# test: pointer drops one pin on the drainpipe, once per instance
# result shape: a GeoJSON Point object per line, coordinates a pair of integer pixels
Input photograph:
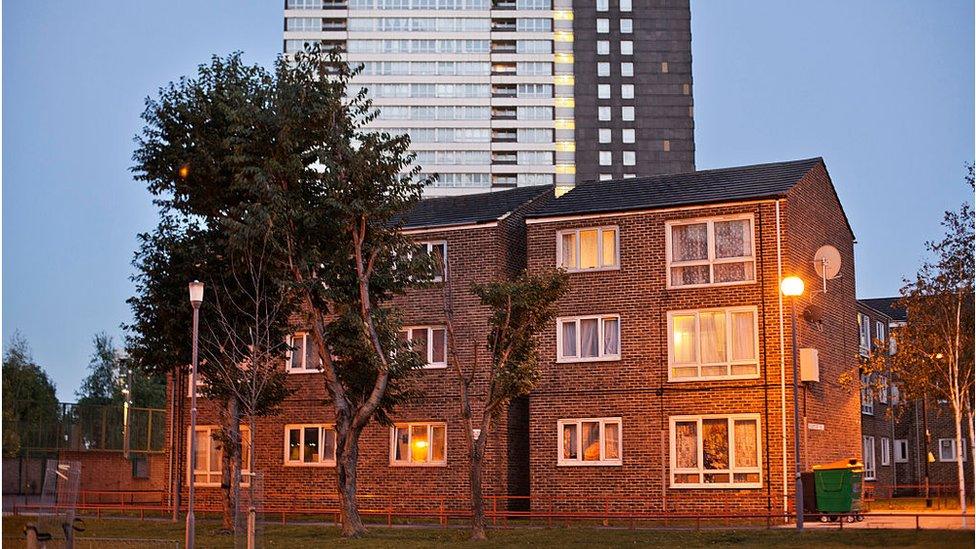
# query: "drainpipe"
{"type": "Point", "coordinates": [782, 358]}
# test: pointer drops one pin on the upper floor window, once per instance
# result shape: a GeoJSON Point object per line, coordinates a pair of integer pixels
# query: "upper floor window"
{"type": "Point", "coordinates": [713, 344]}
{"type": "Point", "coordinates": [437, 250]}
{"type": "Point", "coordinates": [588, 338]}
{"type": "Point", "coordinates": [588, 249]}
{"type": "Point", "coordinates": [879, 331]}
{"type": "Point", "coordinates": [864, 333]}
{"type": "Point", "coordinates": [430, 342]}
{"type": "Point", "coordinates": [310, 445]}
{"type": "Point", "coordinates": [715, 451]}
{"type": "Point", "coordinates": [710, 251]}
{"type": "Point", "coordinates": [867, 395]}
{"type": "Point", "coordinates": [302, 356]}
{"type": "Point", "coordinates": [207, 461]}
{"type": "Point", "coordinates": [418, 444]}
{"type": "Point", "coordinates": [589, 441]}
{"type": "Point", "coordinates": [947, 449]}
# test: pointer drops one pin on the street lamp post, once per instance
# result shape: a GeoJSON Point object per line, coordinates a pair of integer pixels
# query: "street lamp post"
{"type": "Point", "coordinates": [792, 287]}
{"type": "Point", "coordinates": [196, 299]}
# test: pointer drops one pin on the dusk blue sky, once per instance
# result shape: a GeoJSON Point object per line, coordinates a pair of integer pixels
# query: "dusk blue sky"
{"type": "Point", "coordinates": [883, 90]}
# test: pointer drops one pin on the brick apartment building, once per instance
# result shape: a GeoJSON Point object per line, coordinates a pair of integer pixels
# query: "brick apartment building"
{"type": "Point", "coordinates": [896, 447]}
{"type": "Point", "coordinates": [666, 379]}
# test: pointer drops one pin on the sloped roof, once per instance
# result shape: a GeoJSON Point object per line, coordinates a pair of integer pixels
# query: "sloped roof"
{"type": "Point", "coordinates": [446, 211]}
{"type": "Point", "coordinates": [886, 305]}
{"type": "Point", "coordinates": [661, 191]}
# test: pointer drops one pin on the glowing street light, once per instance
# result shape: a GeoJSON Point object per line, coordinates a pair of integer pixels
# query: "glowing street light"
{"type": "Point", "coordinates": [792, 287]}
{"type": "Point", "coordinates": [196, 299]}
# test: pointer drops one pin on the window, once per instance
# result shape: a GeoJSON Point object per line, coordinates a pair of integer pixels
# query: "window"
{"type": "Point", "coordinates": [947, 449]}
{"type": "Point", "coordinates": [626, 69]}
{"type": "Point", "coordinates": [606, 158]}
{"type": "Point", "coordinates": [602, 26]}
{"type": "Point", "coordinates": [209, 452]}
{"type": "Point", "coordinates": [879, 331]}
{"type": "Point", "coordinates": [868, 449]}
{"type": "Point", "coordinates": [140, 467]}
{"type": "Point", "coordinates": [713, 344]}
{"type": "Point", "coordinates": [883, 390]}
{"type": "Point", "coordinates": [603, 69]}
{"type": "Point", "coordinates": [864, 324]}
{"type": "Point", "coordinates": [603, 47]}
{"type": "Point", "coordinates": [626, 47]}
{"type": "Point", "coordinates": [605, 177]}
{"type": "Point", "coordinates": [602, 5]}
{"type": "Point", "coordinates": [625, 5]}
{"type": "Point", "coordinates": [710, 251]}
{"type": "Point", "coordinates": [589, 441]}
{"type": "Point", "coordinates": [867, 395]}
{"type": "Point", "coordinates": [588, 338]}
{"type": "Point", "coordinates": [630, 158]}
{"type": "Point", "coordinates": [901, 450]}
{"type": "Point", "coordinates": [603, 91]}
{"type": "Point", "coordinates": [603, 113]}
{"type": "Point", "coordinates": [605, 136]}
{"type": "Point", "coordinates": [437, 251]}
{"type": "Point", "coordinates": [418, 444]}
{"type": "Point", "coordinates": [310, 445]}
{"type": "Point", "coordinates": [627, 114]}
{"type": "Point", "coordinates": [626, 26]}
{"type": "Point", "coordinates": [885, 451]}
{"type": "Point", "coordinates": [586, 249]}
{"type": "Point", "coordinates": [430, 342]}
{"type": "Point", "coordinates": [627, 91]}
{"type": "Point", "coordinates": [715, 451]}
{"type": "Point", "coordinates": [628, 135]}
{"type": "Point", "coordinates": [302, 356]}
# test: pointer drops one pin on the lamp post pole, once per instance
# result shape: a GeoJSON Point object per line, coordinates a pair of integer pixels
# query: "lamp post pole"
{"type": "Point", "coordinates": [196, 299]}
{"type": "Point", "coordinates": [796, 419]}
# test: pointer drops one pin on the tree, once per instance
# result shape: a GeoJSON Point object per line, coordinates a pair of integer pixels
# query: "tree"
{"type": "Point", "coordinates": [30, 403]}
{"type": "Point", "coordinates": [520, 309]}
{"type": "Point", "coordinates": [111, 372]}
{"type": "Point", "coordinates": [287, 154]}
{"type": "Point", "coordinates": [935, 348]}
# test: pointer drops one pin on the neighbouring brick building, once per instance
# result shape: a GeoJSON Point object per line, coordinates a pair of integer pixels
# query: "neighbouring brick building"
{"type": "Point", "coordinates": [669, 367]}
{"type": "Point", "coordinates": [900, 435]}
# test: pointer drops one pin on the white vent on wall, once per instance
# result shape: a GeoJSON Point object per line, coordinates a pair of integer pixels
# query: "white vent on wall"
{"type": "Point", "coordinates": [810, 365]}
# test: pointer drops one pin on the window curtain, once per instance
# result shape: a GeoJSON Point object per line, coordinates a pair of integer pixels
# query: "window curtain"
{"type": "Point", "coordinates": [683, 334]}
{"type": "Point", "coordinates": [743, 336]}
{"type": "Point", "coordinates": [569, 251]}
{"type": "Point", "coordinates": [589, 338]}
{"type": "Point", "coordinates": [689, 242]}
{"type": "Point", "coordinates": [569, 442]}
{"type": "Point", "coordinates": [609, 247]}
{"type": "Point", "coordinates": [591, 441]}
{"type": "Point", "coordinates": [733, 239]}
{"type": "Point", "coordinates": [712, 336]}
{"type": "Point", "coordinates": [715, 443]}
{"type": "Point", "coordinates": [611, 336]}
{"type": "Point", "coordinates": [686, 445]}
{"type": "Point", "coordinates": [439, 345]}
{"type": "Point", "coordinates": [611, 437]}
{"type": "Point", "coordinates": [569, 338]}
{"type": "Point", "coordinates": [746, 439]}
{"type": "Point", "coordinates": [588, 249]}
{"type": "Point", "coordinates": [437, 442]}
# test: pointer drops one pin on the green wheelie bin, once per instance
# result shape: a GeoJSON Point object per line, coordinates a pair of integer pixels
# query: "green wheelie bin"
{"type": "Point", "coordinates": [838, 487]}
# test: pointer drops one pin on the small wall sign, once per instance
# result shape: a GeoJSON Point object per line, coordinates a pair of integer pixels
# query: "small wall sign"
{"type": "Point", "coordinates": [815, 426]}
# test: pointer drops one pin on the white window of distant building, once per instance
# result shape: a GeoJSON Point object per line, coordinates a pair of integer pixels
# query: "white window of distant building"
{"type": "Point", "coordinates": [603, 47]}
{"type": "Point", "coordinates": [625, 5]}
{"type": "Point", "coordinates": [868, 452]}
{"type": "Point", "coordinates": [626, 26]}
{"type": "Point", "coordinates": [883, 390]}
{"type": "Point", "coordinates": [879, 331]}
{"type": "Point", "coordinates": [626, 47]}
{"type": "Point", "coordinates": [901, 450]}
{"type": "Point", "coordinates": [864, 327]}
{"type": "Point", "coordinates": [602, 5]}
{"type": "Point", "coordinates": [207, 462]}
{"type": "Point", "coordinates": [602, 26]}
{"type": "Point", "coordinates": [310, 445]}
{"type": "Point", "coordinates": [603, 91]}
{"type": "Point", "coordinates": [418, 444]}
{"type": "Point", "coordinates": [867, 395]}
{"type": "Point", "coordinates": [885, 451]}
{"type": "Point", "coordinates": [629, 158]}
{"type": "Point", "coordinates": [604, 114]}
{"type": "Point", "coordinates": [603, 69]}
{"type": "Point", "coordinates": [628, 135]}
{"type": "Point", "coordinates": [437, 250]}
{"type": "Point", "coordinates": [588, 338]}
{"type": "Point", "coordinates": [605, 135]}
{"type": "Point", "coordinates": [947, 449]}
{"type": "Point", "coordinates": [627, 69]}
{"type": "Point", "coordinates": [715, 451]}
{"type": "Point", "coordinates": [713, 344]}
{"type": "Point", "coordinates": [594, 441]}
{"type": "Point", "coordinates": [713, 251]}
{"type": "Point", "coordinates": [605, 177]}
{"type": "Point", "coordinates": [629, 175]}
{"type": "Point", "coordinates": [588, 249]}
{"type": "Point", "coordinates": [627, 114]}
{"type": "Point", "coordinates": [302, 356]}
{"type": "Point", "coordinates": [430, 342]}
{"type": "Point", "coordinates": [606, 158]}
{"type": "Point", "coordinates": [627, 91]}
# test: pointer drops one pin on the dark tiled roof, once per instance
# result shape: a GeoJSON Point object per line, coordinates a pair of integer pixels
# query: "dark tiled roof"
{"type": "Point", "coordinates": [444, 211]}
{"type": "Point", "coordinates": [701, 187]}
{"type": "Point", "coordinates": [886, 305]}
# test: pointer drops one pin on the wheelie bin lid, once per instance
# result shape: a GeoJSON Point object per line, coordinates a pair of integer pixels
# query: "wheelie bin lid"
{"type": "Point", "coordinates": [852, 464]}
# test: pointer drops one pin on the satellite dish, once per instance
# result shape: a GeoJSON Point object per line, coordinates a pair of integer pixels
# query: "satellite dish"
{"type": "Point", "coordinates": [827, 262]}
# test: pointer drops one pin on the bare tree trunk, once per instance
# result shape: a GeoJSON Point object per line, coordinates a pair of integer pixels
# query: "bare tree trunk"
{"type": "Point", "coordinates": [960, 468]}
{"type": "Point", "coordinates": [347, 458]}
{"type": "Point", "coordinates": [229, 470]}
{"type": "Point", "coordinates": [477, 497]}
{"type": "Point", "coordinates": [972, 434]}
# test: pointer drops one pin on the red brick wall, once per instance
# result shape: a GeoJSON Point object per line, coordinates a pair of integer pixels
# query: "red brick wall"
{"type": "Point", "coordinates": [111, 471]}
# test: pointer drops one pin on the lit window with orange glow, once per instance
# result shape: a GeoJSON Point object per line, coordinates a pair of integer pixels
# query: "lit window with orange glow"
{"type": "Point", "coordinates": [419, 444]}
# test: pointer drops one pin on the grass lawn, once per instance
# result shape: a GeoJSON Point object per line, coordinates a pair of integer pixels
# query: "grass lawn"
{"type": "Point", "coordinates": [327, 536]}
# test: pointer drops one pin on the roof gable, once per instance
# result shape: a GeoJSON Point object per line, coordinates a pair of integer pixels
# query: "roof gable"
{"type": "Point", "coordinates": [448, 211]}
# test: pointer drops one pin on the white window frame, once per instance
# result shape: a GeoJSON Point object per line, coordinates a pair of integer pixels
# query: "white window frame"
{"type": "Point", "coordinates": [599, 249]}
{"type": "Point", "coordinates": [901, 450]}
{"type": "Point", "coordinates": [201, 383]}
{"type": "Point", "coordinates": [885, 451]}
{"type": "Point", "coordinates": [864, 333]}
{"type": "Point", "coordinates": [711, 260]}
{"type": "Point", "coordinates": [192, 471]}
{"type": "Point", "coordinates": [602, 356]}
{"type": "Point", "coordinates": [879, 330]}
{"type": "Point", "coordinates": [728, 344]}
{"type": "Point", "coordinates": [867, 395]}
{"type": "Point", "coordinates": [883, 391]}
{"type": "Point", "coordinates": [673, 420]}
{"type": "Point", "coordinates": [952, 448]}
{"type": "Point", "coordinates": [870, 465]}
{"type": "Point", "coordinates": [289, 341]}
{"type": "Point", "coordinates": [429, 364]}
{"type": "Point", "coordinates": [430, 451]}
{"type": "Point", "coordinates": [428, 245]}
{"type": "Point", "coordinates": [628, 135]}
{"type": "Point", "coordinates": [323, 462]}
{"type": "Point", "coordinates": [579, 461]}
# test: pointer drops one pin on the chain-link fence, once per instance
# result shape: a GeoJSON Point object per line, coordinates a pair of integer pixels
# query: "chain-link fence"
{"type": "Point", "coordinates": [95, 427]}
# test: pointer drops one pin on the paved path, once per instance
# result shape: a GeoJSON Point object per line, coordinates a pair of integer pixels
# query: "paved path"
{"type": "Point", "coordinates": [904, 520]}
